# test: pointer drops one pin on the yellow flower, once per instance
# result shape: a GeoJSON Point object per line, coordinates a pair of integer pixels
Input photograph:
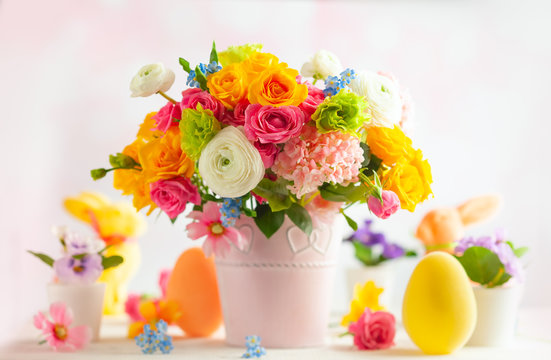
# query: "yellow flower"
{"type": "Point", "coordinates": [410, 180]}
{"type": "Point", "coordinates": [388, 144]}
{"type": "Point", "coordinates": [258, 62]}
{"type": "Point", "coordinates": [364, 297]}
{"type": "Point", "coordinates": [277, 86]}
{"type": "Point", "coordinates": [147, 130]}
{"type": "Point", "coordinates": [163, 158]}
{"type": "Point", "coordinates": [235, 54]}
{"type": "Point", "coordinates": [229, 85]}
{"type": "Point", "coordinates": [152, 312]}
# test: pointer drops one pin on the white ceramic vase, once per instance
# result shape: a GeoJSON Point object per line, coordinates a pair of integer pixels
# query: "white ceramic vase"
{"type": "Point", "coordinates": [497, 310]}
{"type": "Point", "coordinates": [85, 301]}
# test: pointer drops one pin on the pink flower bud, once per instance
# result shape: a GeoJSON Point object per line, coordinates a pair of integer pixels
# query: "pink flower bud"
{"type": "Point", "coordinates": [390, 205]}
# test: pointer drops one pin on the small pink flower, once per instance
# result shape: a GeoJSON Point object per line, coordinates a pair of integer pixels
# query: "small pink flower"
{"type": "Point", "coordinates": [374, 330]}
{"type": "Point", "coordinates": [314, 98]}
{"type": "Point", "coordinates": [163, 281]}
{"type": "Point", "coordinates": [193, 96]}
{"type": "Point", "coordinates": [275, 125]}
{"type": "Point", "coordinates": [58, 333]}
{"type": "Point", "coordinates": [132, 307]}
{"type": "Point", "coordinates": [218, 237]}
{"type": "Point", "coordinates": [391, 204]}
{"type": "Point", "coordinates": [237, 116]}
{"type": "Point", "coordinates": [167, 116]}
{"type": "Point", "coordinates": [322, 211]}
{"type": "Point", "coordinates": [268, 153]}
{"type": "Point", "coordinates": [172, 195]}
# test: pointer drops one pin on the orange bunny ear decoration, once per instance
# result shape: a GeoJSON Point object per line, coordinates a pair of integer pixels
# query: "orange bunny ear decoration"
{"type": "Point", "coordinates": [479, 209]}
{"type": "Point", "coordinates": [440, 228]}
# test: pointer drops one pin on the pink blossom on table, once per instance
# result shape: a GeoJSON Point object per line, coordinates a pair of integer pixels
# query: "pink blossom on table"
{"type": "Point", "coordinates": [322, 211]}
{"type": "Point", "coordinates": [85, 270]}
{"type": "Point", "coordinates": [193, 96]}
{"type": "Point", "coordinates": [163, 281]}
{"type": "Point", "coordinates": [268, 153]}
{"type": "Point", "coordinates": [172, 195]}
{"type": "Point", "coordinates": [237, 116]}
{"type": "Point", "coordinates": [132, 307]}
{"type": "Point", "coordinates": [407, 103]}
{"type": "Point", "coordinates": [275, 125]}
{"type": "Point", "coordinates": [391, 204]}
{"type": "Point", "coordinates": [314, 98]}
{"type": "Point", "coordinates": [218, 238]}
{"type": "Point", "coordinates": [374, 330]}
{"type": "Point", "coordinates": [167, 116]}
{"type": "Point", "coordinates": [313, 159]}
{"type": "Point", "coordinates": [59, 335]}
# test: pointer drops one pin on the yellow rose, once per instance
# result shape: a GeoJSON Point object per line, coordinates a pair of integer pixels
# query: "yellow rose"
{"type": "Point", "coordinates": [258, 62]}
{"type": "Point", "coordinates": [229, 85]}
{"type": "Point", "coordinates": [277, 86]}
{"type": "Point", "coordinates": [163, 158]}
{"type": "Point", "coordinates": [147, 131]}
{"type": "Point", "coordinates": [389, 144]}
{"type": "Point", "coordinates": [410, 180]}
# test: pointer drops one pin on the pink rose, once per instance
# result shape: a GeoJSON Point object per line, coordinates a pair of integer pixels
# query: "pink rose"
{"type": "Point", "coordinates": [374, 330]}
{"type": "Point", "coordinates": [163, 281]}
{"type": "Point", "coordinates": [391, 204]}
{"type": "Point", "coordinates": [314, 98]}
{"type": "Point", "coordinates": [237, 116]}
{"type": "Point", "coordinates": [132, 307]}
{"type": "Point", "coordinates": [275, 125]}
{"type": "Point", "coordinates": [166, 117]}
{"type": "Point", "coordinates": [193, 96]}
{"type": "Point", "coordinates": [268, 153]}
{"type": "Point", "coordinates": [172, 195]}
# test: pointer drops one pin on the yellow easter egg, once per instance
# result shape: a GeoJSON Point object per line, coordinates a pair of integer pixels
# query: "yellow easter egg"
{"type": "Point", "coordinates": [439, 309]}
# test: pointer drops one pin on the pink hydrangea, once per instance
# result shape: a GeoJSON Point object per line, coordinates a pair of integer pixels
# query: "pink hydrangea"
{"type": "Point", "coordinates": [314, 98]}
{"type": "Point", "coordinates": [237, 116]}
{"type": "Point", "coordinates": [313, 159]}
{"type": "Point", "coordinates": [172, 195]}
{"type": "Point", "coordinates": [268, 153]}
{"type": "Point", "coordinates": [193, 96]}
{"type": "Point", "coordinates": [166, 117]}
{"type": "Point", "coordinates": [275, 125]}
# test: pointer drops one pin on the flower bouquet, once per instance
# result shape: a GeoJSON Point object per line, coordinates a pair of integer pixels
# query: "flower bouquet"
{"type": "Point", "coordinates": [261, 152]}
{"type": "Point", "coordinates": [494, 265]}
{"type": "Point", "coordinates": [82, 263]}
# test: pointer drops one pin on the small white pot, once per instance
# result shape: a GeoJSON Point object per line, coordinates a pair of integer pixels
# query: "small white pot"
{"type": "Point", "coordinates": [497, 310]}
{"type": "Point", "coordinates": [85, 301]}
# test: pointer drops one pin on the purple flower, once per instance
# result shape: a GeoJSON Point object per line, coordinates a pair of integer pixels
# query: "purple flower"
{"type": "Point", "coordinates": [78, 271]}
{"type": "Point", "coordinates": [366, 236]}
{"type": "Point", "coordinates": [392, 251]}
{"type": "Point", "coordinates": [498, 246]}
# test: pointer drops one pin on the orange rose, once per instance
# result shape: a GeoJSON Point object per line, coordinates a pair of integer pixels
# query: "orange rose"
{"type": "Point", "coordinates": [229, 85]}
{"type": "Point", "coordinates": [277, 86]}
{"type": "Point", "coordinates": [163, 158]}
{"type": "Point", "coordinates": [147, 127]}
{"type": "Point", "coordinates": [258, 62]}
{"type": "Point", "coordinates": [388, 144]}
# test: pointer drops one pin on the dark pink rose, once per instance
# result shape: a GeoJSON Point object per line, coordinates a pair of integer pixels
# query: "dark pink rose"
{"type": "Point", "coordinates": [237, 116]}
{"type": "Point", "coordinates": [268, 153]}
{"type": "Point", "coordinates": [172, 195]}
{"type": "Point", "coordinates": [168, 116]}
{"type": "Point", "coordinates": [314, 98]}
{"type": "Point", "coordinates": [275, 125]}
{"type": "Point", "coordinates": [374, 330]}
{"type": "Point", "coordinates": [193, 96]}
{"type": "Point", "coordinates": [391, 204]}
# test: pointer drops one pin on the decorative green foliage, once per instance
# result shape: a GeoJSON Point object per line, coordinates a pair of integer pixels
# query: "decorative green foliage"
{"type": "Point", "coordinates": [213, 53]}
{"type": "Point", "coordinates": [276, 192]}
{"type": "Point", "coordinates": [122, 161]}
{"type": "Point", "coordinates": [185, 65]}
{"type": "Point", "coordinates": [339, 193]}
{"type": "Point", "coordinates": [300, 217]}
{"type": "Point", "coordinates": [267, 221]}
{"type": "Point", "coordinates": [350, 221]}
{"type": "Point", "coordinates": [483, 266]}
{"type": "Point", "coordinates": [201, 78]}
{"type": "Point", "coordinates": [111, 261]}
{"type": "Point", "coordinates": [45, 258]}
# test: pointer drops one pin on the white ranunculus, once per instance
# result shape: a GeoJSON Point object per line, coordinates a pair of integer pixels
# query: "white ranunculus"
{"type": "Point", "coordinates": [383, 96]}
{"type": "Point", "coordinates": [151, 79]}
{"type": "Point", "coordinates": [229, 165]}
{"type": "Point", "coordinates": [322, 65]}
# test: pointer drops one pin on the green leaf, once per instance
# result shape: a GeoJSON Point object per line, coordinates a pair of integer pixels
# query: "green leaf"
{"type": "Point", "coordinates": [201, 78]}
{"type": "Point", "coordinates": [374, 163]}
{"type": "Point", "coordinates": [267, 221]}
{"type": "Point", "coordinates": [111, 261]}
{"type": "Point", "coordinates": [173, 220]}
{"type": "Point", "coordinates": [275, 192]}
{"type": "Point", "coordinates": [104, 249]}
{"type": "Point", "coordinates": [410, 253]}
{"type": "Point", "coordinates": [48, 260]}
{"type": "Point", "coordinates": [339, 193]}
{"type": "Point", "coordinates": [300, 217]}
{"type": "Point", "coordinates": [483, 266]}
{"type": "Point", "coordinates": [213, 53]}
{"type": "Point", "coordinates": [249, 212]}
{"type": "Point", "coordinates": [79, 256]}
{"type": "Point", "coordinates": [367, 154]}
{"type": "Point", "coordinates": [365, 254]}
{"type": "Point", "coordinates": [350, 221]}
{"type": "Point", "coordinates": [519, 252]}
{"type": "Point", "coordinates": [185, 65]}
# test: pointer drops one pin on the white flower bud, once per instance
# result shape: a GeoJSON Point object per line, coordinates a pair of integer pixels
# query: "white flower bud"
{"type": "Point", "coordinates": [151, 79]}
{"type": "Point", "coordinates": [322, 65]}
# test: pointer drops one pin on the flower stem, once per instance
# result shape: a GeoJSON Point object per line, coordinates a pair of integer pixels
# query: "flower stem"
{"type": "Point", "coordinates": [167, 97]}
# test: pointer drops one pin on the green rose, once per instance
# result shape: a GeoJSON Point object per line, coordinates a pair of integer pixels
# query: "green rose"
{"type": "Point", "coordinates": [197, 127]}
{"type": "Point", "coordinates": [342, 112]}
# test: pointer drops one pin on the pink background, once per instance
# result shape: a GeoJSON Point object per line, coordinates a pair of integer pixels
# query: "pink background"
{"type": "Point", "coordinates": [477, 70]}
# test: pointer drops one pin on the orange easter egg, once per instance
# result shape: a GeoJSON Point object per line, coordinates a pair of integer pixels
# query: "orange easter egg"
{"type": "Point", "coordinates": [193, 286]}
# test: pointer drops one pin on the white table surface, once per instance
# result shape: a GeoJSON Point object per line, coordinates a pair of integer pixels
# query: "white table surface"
{"type": "Point", "coordinates": [533, 341]}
